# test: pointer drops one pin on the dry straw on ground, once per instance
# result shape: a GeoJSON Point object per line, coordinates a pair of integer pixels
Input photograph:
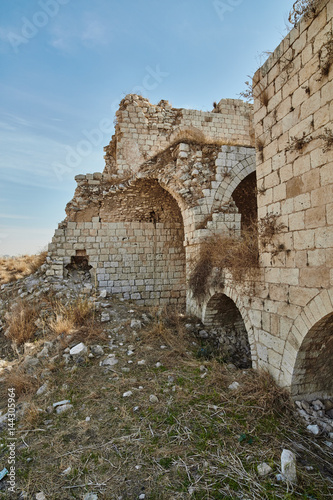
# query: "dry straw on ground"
{"type": "Point", "coordinates": [13, 268]}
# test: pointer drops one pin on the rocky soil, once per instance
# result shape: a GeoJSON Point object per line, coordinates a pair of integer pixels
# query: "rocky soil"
{"type": "Point", "coordinates": [138, 403]}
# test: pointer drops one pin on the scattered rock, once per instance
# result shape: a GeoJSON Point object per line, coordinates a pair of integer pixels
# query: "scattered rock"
{"type": "Point", "coordinates": [136, 324]}
{"type": "Point", "coordinates": [90, 496]}
{"type": "Point", "coordinates": [142, 362]}
{"type": "Point", "coordinates": [97, 350]}
{"type": "Point", "coordinates": [153, 398]}
{"type": "Point", "coordinates": [78, 350]}
{"type": "Point", "coordinates": [105, 317]}
{"type": "Point", "coordinates": [109, 361]}
{"type": "Point", "coordinates": [60, 403]}
{"type": "Point", "coordinates": [158, 365]}
{"type": "Point", "coordinates": [66, 471]}
{"type": "Point", "coordinates": [264, 469]}
{"type": "Point", "coordinates": [127, 394]}
{"type": "Point", "coordinates": [288, 466]}
{"type": "Point", "coordinates": [233, 386]}
{"type": "Point", "coordinates": [103, 294]}
{"type": "Point", "coordinates": [203, 334]}
{"type": "Point", "coordinates": [43, 388]}
{"type": "Point", "coordinates": [63, 408]}
{"type": "Point", "coordinates": [40, 496]}
{"type": "Point", "coordinates": [314, 429]}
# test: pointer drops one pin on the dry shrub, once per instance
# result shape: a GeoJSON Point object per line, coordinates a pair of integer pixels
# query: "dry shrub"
{"type": "Point", "coordinates": [21, 322]}
{"type": "Point", "coordinates": [167, 327]}
{"type": "Point", "coordinates": [326, 55]}
{"type": "Point", "coordinates": [298, 143]}
{"type": "Point", "coordinates": [31, 417]}
{"type": "Point", "coordinates": [262, 389]}
{"type": "Point", "coordinates": [306, 8]}
{"type": "Point", "coordinates": [70, 317]}
{"type": "Point", "coordinates": [260, 148]}
{"type": "Point", "coordinates": [78, 320]}
{"type": "Point", "coordinates": [237, 254]}
{"type": "Point", "coordinates": [15, 268]}
{"type": "Point", "coordinates": [268, 227]}
{"type": "Point", "coordinates": [23, 383]}
{"type": "Point", "coordinates": [327, 137]}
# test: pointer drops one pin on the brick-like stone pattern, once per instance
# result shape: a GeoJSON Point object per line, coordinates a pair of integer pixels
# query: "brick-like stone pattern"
{"type": "Point", "coordinates": [144, 130]}
{"type": "Point", "coordinates": [295, 178]}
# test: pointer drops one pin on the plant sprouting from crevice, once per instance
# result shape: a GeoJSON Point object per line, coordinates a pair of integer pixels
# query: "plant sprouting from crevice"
{"type": "Point", "coordinates": [306, 8]}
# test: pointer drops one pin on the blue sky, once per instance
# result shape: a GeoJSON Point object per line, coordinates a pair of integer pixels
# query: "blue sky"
{"type": "Point", "coordinates": [65, 66]}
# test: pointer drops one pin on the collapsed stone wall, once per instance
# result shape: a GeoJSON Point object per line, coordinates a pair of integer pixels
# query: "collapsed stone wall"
{"type": "Point", "coordinates": [144, 130]}
{"type": "Point", "coordinates": [139, 228]}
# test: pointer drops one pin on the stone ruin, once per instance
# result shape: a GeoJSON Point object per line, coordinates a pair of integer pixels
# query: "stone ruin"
{"type": "Point", "coordinates": [173, 177]}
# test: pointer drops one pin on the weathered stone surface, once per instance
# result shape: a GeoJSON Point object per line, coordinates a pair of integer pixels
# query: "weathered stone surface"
{"type": "Point", "coordinates": [288, 466]}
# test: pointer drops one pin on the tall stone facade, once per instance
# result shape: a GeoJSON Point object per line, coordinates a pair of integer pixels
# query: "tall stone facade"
{"type": "Point", "coordinates": [174, 177]}
{"type": "Point", "coordinates": [293, 113]}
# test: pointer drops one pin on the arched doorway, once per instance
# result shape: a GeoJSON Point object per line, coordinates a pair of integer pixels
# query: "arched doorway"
{"type": "Point", "coordinates": [245, 199]}
{"type": "Point", "coordinates": [313, 370]}
{"type": "Point", "coordinates": [143, 255]}
{"type": "Point", "coordinates": [224, 317]}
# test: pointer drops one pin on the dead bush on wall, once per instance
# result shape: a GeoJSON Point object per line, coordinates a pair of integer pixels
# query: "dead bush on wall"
{"type": "Point", "coordinates": [306, 8]}
{"type": "Point", "coordinates": [326, 55]}
{"type": "Point", "coordinates": [327, 137]}
{"type": "Point", "coordinates": [237, 254]}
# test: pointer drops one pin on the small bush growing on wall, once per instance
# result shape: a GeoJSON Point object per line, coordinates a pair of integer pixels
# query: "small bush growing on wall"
{"type": "Point", "coordinates": [238, 254]}
{"type": "Point", "coordinates": [306, 8]}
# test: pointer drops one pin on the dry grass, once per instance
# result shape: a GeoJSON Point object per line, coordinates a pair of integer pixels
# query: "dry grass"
{"type": "Point", "coordinates": [238, 254]}
{"type": "Point", "coordinates": [15, 268]}
{"type": "Point", "coordinates": [23, 383]}
{"type": "Point", "coordinates": [76, 320]}
{"type": "Point", "coordinates": [21, 322]}
{"type": "Point", "coordinates": [200, 440]}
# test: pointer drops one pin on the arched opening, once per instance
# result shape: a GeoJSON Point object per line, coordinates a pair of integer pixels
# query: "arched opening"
{"type": "Point", "coordinates": [245, 199]}
{"type": "Point", "coordinates": [143, 256]}
{"type": "Point", "coordinates": [223, 316]}
{"type": "Point", "coordinates": [313, 371]}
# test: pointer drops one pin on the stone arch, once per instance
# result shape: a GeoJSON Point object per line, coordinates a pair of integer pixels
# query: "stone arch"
{"type": "Point", "coordinates": [306, 364]}
{"type": "Point", "coordinates": [226, 306]}
{"type": "Point", "coordinates": [238, 173]}
{"type": "Point", "coordinates": [188, 133]}
{"type": "Point", "coordinates": [245, 199]}
{"type": "Point", "coordinates": [142, 244]}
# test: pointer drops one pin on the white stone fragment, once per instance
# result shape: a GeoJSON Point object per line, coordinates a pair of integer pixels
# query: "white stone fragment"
{"type": "Point", "coordinates": [63, 408]}
{"type": "Point", "coordinates": [43, 388]}
{"type": "Point", "coordinates": [233, 386]}
{"type": "Point", "coordinates": [78, 350]}
{"type": "Point", "coordinates": [288, 466]}
{"type": "Point", "coordinates": [40, 496]}
{"type": "Point", "coordinates": [127, 394]}
{"type": "Point", "coordinates": [314, 429]}
{"type": "Point", "coordinates": [153, 398]}
{"type": "Point", "coordinates": [264, 469]}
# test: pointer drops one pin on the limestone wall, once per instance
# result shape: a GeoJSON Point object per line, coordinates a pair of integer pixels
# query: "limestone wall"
{"type": "Point", "coordinates": [293, 113]}
{"type": "Point", "coordinates": [144, 130]}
